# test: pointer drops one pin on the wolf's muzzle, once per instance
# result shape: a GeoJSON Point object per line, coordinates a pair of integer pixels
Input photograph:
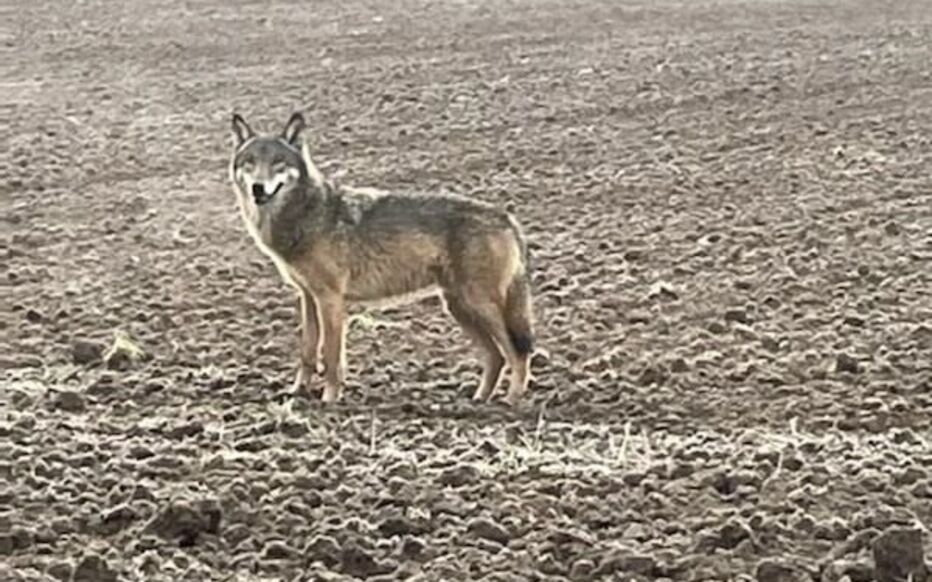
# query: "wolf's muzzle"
{"type": "Point", "coordinates": [260, 195]}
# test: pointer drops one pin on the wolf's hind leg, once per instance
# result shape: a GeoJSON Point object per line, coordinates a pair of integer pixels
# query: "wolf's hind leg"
{"type": "Point", "coordinates": [494, 361]}
{"type": "Point", "coordinates": [489, 317]}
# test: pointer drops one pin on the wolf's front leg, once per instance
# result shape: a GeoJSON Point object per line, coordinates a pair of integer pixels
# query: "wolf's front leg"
{"type": "Point", "coordinates": [333, 324]}
{"type": "Point", "coordinates": [309, 348]}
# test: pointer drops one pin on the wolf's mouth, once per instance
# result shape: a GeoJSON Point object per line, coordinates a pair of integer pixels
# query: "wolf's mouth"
{"type": "Point", "coordinates": [261, 196]}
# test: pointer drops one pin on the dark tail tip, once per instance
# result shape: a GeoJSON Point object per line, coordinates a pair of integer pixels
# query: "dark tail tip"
{"type": "Point", "coordinates": [523, 343]}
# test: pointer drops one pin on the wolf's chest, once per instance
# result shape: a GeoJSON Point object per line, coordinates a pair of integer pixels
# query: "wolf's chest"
{"type": "Point", "coordinates": [261, 234]}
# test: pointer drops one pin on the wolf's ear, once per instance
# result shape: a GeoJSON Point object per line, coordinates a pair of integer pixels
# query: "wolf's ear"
{"type": "Point", "coordinates": [241, 129]}
{"type": "Point", "coordinates": [312, 172]}
{"type": "Point", "coordinates": [293, 129]}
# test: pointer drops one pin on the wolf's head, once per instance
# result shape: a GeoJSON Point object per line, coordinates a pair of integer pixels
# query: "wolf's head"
{"type": "Point", "coordinates": [266, 168]}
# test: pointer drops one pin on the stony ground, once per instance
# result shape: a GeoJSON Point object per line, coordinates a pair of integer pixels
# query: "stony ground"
{"type": "Point", "coordinates": [730, 213]}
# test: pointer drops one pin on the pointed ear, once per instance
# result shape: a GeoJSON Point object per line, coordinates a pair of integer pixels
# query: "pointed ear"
{"type": "Point", "coordinates": [293, 129]}
{"type": "Point", "coordinates": [312, 172]}
{"type": "Point", "coordinates": [241, 129]}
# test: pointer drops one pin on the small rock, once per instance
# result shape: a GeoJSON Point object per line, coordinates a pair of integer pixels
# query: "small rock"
{"type": "Point", "coordinates": [123, 353]}
{"type": "Point", "coordinates": [278, 550]}
{"type": "Point", "coordinates": [661, 290]}
{"type": "Point", "coordinates": [636, 531]}
{"type": "Point", "coordinates": [737, 315]}
{"type": "Point", "coordinates": [93, 568]}
{"type": "Point", "coordinates": [679, 366]}
{"type": "Point", "coordinates": [850, 569]}
{"type": "Point", "coordinates": [549, 565]}
{"type": "Point", "coordinates": [293, 429]}
{"type": "Point", "coordinates": [633, 478]}
{"type": "Point", "coordinates": [6, 544]}
{"type": "Point", "coordinates": [488, 546]}
{"type": "Point", "coordinates": [637, 316]}
{"type": "Point", "coordinates": [186, 429]}
{"type": "Point", "coordinates": [854, 321]}
{"type": "Point", "coordinates": [898, 555]}
{"type": "Point", "coordinates": [745, 332]}
{"type": "Point", "coordinates": [140, 452]}
{"type": "Point", "coordinates": [117, 519]}
{"type": "Point", "coordinates": [357, 562]}
{"type": "Point", "coordinates": [489, 530]}
{"type": "Point", "coordinates": [771, 344]}
{"type": "Point", "coordinates": [730, 535]}
{"type": "Point", "coordinates": [777, 571]}
{"type": "Point", "coordinates": [627, 564]}
{"type": "Point", "coordinates": [489, 448]}
{"type": "Point", "coordinates": [60, 570]}
{"type": "Point", "coordinates": [717, 328]}
{"type": "Point", "coordinates": [413, 548]}
{"type": "Point", "coordinates": [86, 352]}
{"type": "Point", "coordinates": [847, 364]}
{"type": "Point", "coordinates": [23, 537]}
{"type": "Point", "coordinates": [400, 526]}
{"type": "Point", "coordinates": [582, 569]}
{"type": "Point", "coordinates": [832, 529]}
{"type": "Point", "coordinates": [459, 476]}
{"type": "Point", "coordinates": [906, 437]}
{"type": "Point", "coordinates": [33, 316]}
{"type": "Point", "coordinates": [652, 375]}
{"type": "Point", "coordinates": [922, 490]}
{"type": "Point", "coordinates": [70, 401]}
{"type": "Point", "coordinates": [184, 521]}
{"type": "Point", "coordinates": [324, 549]}
{"type": "Point", "coordinates": [567, 536]}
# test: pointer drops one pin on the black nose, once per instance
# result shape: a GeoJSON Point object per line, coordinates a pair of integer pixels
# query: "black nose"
{"type": "Point", "coordinates": [258, 191]}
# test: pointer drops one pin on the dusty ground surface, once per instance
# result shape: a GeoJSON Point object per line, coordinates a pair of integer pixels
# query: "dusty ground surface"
{"type": "Point", "coordinates": [730, 212]}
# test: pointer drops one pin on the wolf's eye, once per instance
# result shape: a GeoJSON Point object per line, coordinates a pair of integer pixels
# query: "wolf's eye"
{"type": "Point", "coordinates": [279, 167]}
{"type": "Point", "coordinates": [248, 165]}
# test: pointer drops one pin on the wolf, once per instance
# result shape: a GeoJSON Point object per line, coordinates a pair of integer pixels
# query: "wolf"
{"type": "Point", "coordinates": [339, 245]}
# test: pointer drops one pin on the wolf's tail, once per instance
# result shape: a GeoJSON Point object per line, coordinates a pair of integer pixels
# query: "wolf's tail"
{"type": "Point", "coordinates": [518, 308]}
{"type": "Point", "coordinates": [518, 314]}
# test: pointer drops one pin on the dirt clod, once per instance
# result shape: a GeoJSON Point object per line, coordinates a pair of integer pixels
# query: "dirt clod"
{"type": "Point", "coordinates": [487, 529]}
{"type": "Point", "coordinates": [738, 315]}
{"type": "Point", "coordinates": [779, 571]}
{"type": "Point", "coordinates": [626, 563]}
{"type": "Point", "coordinates": [6, 544]}
{"type": "Point", "coordinates": [184, 521]}
{"type": "Point", "coordinates": [400, 526]}
{"type": "Point", "coordinates": [898, 555]}
{"type": "Point", "coordinates": [459, 476]}
{"type": "Point", "coordinates": [93, 568]}
{"type": "Point", "coordinates": [325, 549]}
{"type": "Point", "coordinates": [358, 562]}
{"type": "Point", "coordinates": [117, 519]}
{"type": "Point", "coordinates": [278, 550]}
{"type": "Point", "coordinates": [60, 570]}
{"type": "Point", "coordinates": [413, 548]}
{"type": "Point", "coordinates": [70, 401]}
{"type": "Point", "coordinates": [86, 352]}
{"type": "Point", "coordinates": [846, 363]}
{"type": "Point", "coordinates": [853, 570]}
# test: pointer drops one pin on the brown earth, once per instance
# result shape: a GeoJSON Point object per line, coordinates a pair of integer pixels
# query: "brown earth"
{"type": "Point", "coordinates": [730, 213]}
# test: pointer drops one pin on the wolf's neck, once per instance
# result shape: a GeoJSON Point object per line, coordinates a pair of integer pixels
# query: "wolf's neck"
{"type": "Point", "coordinates": [291, 225]}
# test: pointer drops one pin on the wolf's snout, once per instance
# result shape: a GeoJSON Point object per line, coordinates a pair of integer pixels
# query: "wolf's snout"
{"type": "Point", "coordinates": [258, 191]}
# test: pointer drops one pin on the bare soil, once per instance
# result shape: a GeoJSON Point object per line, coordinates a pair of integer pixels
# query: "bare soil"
{"type": "Point", "coordinates": [729, 206]}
